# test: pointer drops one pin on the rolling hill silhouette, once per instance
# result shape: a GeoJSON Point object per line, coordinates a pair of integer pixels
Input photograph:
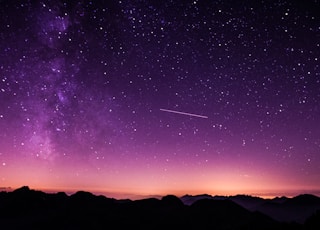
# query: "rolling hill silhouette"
{"type": "Point", "coordinates": [283, 209]}
{"type": "Point", "coordinates": [25, 208]}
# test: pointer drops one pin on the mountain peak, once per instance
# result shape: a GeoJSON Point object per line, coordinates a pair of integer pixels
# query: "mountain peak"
{"type": "Point", "coordinates": [22, 189]}
{"type": "Point", "coordinates": [305, 199]}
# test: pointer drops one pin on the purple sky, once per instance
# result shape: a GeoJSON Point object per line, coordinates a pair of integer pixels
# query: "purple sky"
{"type": "Point", "coordinates": [89, 95]}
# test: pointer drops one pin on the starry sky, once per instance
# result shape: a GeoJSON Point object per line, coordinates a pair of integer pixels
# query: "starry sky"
{"type": "Point", "coordinates": [136, 97]}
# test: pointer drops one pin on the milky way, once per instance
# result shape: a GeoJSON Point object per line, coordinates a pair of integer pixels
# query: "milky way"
{"type": "Point", "coordinates": [83, 84]}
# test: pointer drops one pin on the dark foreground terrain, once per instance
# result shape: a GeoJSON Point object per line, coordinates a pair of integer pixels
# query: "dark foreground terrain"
{"type": "Point", "coordinates": [29, 209]}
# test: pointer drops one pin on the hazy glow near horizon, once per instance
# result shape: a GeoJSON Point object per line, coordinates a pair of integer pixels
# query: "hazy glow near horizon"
{"type": "Point", "coordinates": [107, 97]}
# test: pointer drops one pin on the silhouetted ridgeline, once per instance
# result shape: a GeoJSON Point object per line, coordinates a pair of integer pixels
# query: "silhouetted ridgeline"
{"type": "Point", "coordinates": [283, 209]}
{"type": "Point", "coordinates": [29, 209]}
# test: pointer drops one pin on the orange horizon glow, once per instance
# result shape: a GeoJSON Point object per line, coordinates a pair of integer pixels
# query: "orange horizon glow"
{"type": "Point", "coordinates": [132, 195]}
{"type": "Point", "coordinates": [137, 182]}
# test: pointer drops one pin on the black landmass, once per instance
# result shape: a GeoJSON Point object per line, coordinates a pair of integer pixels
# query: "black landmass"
{"type": "Point", "coordinates": [25, 208]}
{"type": "Point", "coordinates": [297, 209]}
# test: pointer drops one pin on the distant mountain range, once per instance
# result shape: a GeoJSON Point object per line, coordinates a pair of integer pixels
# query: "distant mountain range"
{"type": "Point", "coordinates": [296, 209]}
{"type": "Point", "coordinates": [25, 208]}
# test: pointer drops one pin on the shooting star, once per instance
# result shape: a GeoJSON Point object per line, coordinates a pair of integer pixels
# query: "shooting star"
{"type": "Point", "coordinates": [183, 113]}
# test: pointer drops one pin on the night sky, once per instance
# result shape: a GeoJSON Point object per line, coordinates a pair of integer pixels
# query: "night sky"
{"type": "Point", "coordinates": [138, 97]}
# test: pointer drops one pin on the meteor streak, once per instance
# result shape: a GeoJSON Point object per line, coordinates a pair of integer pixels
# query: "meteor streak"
{"type": "Point", "coordinates": [183, 113]}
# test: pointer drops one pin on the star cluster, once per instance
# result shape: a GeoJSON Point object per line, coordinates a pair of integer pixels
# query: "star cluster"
{"type": "Point", "coordinates": [83, 85]}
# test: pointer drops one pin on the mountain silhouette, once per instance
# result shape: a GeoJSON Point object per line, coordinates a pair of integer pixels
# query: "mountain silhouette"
{"type": "Point", "coordinates": [283, 209]}
{"type": "Point", "coordinates": [25, 208]}
{"type": "Point", "coordinates": [296, 209]}
{"type": "Point", "coordinates": [189, 199]}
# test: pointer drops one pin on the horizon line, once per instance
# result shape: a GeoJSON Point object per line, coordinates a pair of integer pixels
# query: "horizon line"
{"type": "Point", "coordinates": [136, 196]}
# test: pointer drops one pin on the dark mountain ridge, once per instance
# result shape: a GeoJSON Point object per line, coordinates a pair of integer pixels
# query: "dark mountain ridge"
{"type": "Point", "coordinates": [283, 209]}
{"type": "Point", "coordinates": [25, 208]}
